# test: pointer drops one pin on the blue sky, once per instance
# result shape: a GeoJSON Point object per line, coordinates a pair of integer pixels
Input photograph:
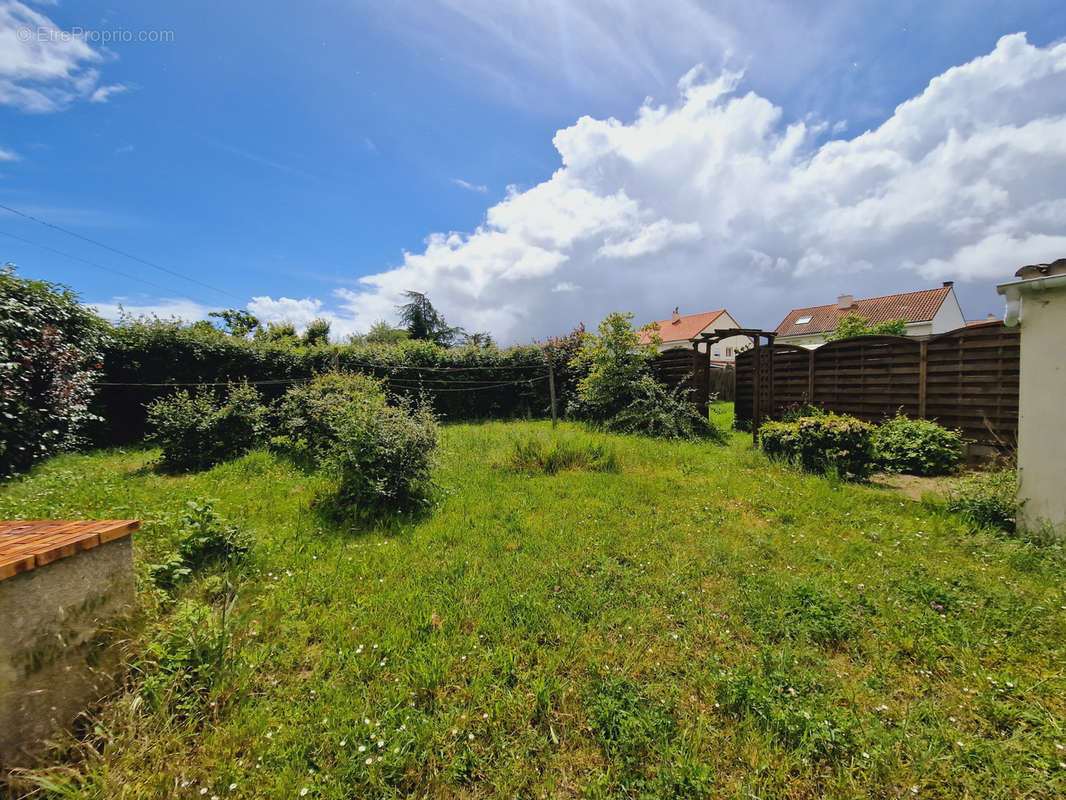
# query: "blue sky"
{"type": "Point", "coordinates": [288, 155]}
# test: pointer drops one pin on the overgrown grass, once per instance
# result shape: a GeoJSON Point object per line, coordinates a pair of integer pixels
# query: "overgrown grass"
{"type": "Point", "coordinates": [702, 623]}
{"type": "Point", "coordinates": [550, 454]}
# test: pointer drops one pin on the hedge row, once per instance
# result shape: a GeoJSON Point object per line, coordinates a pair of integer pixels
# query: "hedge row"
{"type": "Point", "coordinates": [462, 384]}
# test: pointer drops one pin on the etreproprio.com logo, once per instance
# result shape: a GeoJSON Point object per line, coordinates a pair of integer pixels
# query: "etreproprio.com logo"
{"type": "Point", "coordinates": [46, 34]}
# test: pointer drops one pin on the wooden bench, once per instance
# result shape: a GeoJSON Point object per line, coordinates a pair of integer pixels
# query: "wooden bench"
{"type": "Point", "coordinates": [26, 545]}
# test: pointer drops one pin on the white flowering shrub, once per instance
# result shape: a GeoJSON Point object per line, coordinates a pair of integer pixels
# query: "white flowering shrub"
{"type": "Point", "coordinates": [50, 352]}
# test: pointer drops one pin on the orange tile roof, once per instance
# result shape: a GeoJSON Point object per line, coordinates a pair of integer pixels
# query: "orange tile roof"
{"type": "Point", "coordinates": [684, 329]}
{"type": "Point", "coordinates": [911, 306]}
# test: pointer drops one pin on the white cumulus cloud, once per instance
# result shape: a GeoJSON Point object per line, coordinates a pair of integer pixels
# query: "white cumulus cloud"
{"type": "Point", "coordinates": [42, 67]}
{"type": "Point", "coordinates": [714, 200]}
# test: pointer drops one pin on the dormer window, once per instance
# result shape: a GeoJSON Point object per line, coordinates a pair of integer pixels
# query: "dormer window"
{"type": "Point", "coordinates": [803, 320]}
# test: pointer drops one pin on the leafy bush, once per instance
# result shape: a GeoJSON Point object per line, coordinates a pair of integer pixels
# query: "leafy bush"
{"type": "Point", "coordinates": [917, 446]}
{"type": "Point", "coordinates": [309, 413]}
{"type": "Point", "coordinates": [197, 431]}
{"type": "Point", "coordinates": [988, 500]}
{"type": "Point", "coordinates": [204, 539]}
{"type": "Point", "coordinates": [541, 454]}
{"type": "Point", "coordinates": [852, 325]}
{"type": "Point", "coordinates": [614, 361]}
{"type": "Point", "coordinates": [50, 352]}
{"type": "Point", "coordinates": [619, 392]}
{"type": "Point", "coordinates": [821, 444]}
{"type": "Point", "coordinates": [156, 351]}
{"type": "Point", "coordinates": [380, 454]}
{"type": "Point", "coordinates": [657, 411]}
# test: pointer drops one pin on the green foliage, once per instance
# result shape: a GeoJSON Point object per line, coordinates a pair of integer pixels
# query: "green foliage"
{"type": "Point", "coordinates": [614, 361]}
{"type": "Point", "coordinates": [561, 452]}
{"type": "Point", "coordinates": [198, 430]}
{"type": "Point", "coordinates": [237, 321]}
{"type": "Point", "coordinates": [917, 446]}
{"type": "Point", "coordinates": [380, 332]}
{"type": "Point", "coordinates": [618, 391]}
{"type": "Point", "coordinates": [796, 411]}
{"type": "Point", "coordinates": [184, 659]}
{"type": "Point", "coordinates": [204, 539]}
{"type": "Point", "coordinates": [165, 351]}
{"type": "Point", "coordinates": [50, 354]}
{"type": "Point", "coordinates": [988, 500]}
{"type": "Point", "coordinates": [853, 325]}
{"type": "Point", "coordinates": [316, 334]}
{"type": "Point", "coordinates": [790, 705]}
{"type": "Point", "coordinates": [379, 454]}
{"type": "Point", "coordinates": [827, 443]}
{"type": "Point", "coordinates": [657, 411]}
{"type": "Point", "coordinates": [424, 322]}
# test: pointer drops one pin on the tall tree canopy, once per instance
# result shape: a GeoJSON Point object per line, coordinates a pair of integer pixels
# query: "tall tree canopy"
{"type": "Point", "coordinates": [423, 321]}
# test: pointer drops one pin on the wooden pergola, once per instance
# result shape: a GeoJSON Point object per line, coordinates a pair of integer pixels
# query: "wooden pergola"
{"type": "Point", "coordinates": [763, 363]}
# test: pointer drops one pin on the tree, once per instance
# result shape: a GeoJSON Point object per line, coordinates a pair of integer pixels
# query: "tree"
{"type": "Point", "coordinates": [615, 360]}
{"type": "Point", "coordinates": [278, 333]}
{"type": "Point", "coordinates": [424, 322]}
{"type": "Point", "coordinates": [51, 348]}
{"type": "Point", "coordinates": [853, 325]}
{"type": "Point", "coordinates": [480, 339]}
{"type": "Point", "coordinates": [316, 333]}
{"type": "Point", "coordinates": [237, 322]}
{"type": "Point", "coordinates": [382, 332]}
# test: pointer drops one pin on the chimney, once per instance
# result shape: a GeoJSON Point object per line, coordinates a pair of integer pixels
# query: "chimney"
{"type": "Point", "coordinates": [676, 317]}
{"type": "Point", "coordinates": [948, 284]}
{"type": "Point", "coordinates": [992, 318]}
{"type": "Point", "coordinates": [845, 301]}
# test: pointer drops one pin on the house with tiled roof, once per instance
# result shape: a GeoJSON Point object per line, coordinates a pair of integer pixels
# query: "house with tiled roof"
{"type": "Point", "coordinates": [926, 312]}
{"type": "Point", "coordinates": [682, 330]}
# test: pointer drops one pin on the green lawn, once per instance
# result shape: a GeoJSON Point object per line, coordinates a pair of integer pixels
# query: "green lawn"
{"type": "Point", "coordinates": [701, 623]}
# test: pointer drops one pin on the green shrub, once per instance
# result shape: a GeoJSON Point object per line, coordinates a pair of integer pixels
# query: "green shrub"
{"type": "Point", "coordinates": [204, 539]}
{"type": "Point", "coordinates": [917, 446]}
{"type": "Point", "coordinates": [826, 443]}
{"type": "Point", "coordinates": [987, 500]}
{"type": "Point", "coordinates": [656, 411]}
{"type": "Point", "coordinates": [309, 413]}
{"type": "Point", "coordinates": [550, 455]}
{"type": "Point", "coordinates": [50, 353]}
{"type": "Point", "coordinates": [198, 430]}
{"type": "Point", "coordinates": [379, 454]}
{"type": "Point", "coordinates": [153, 351]}
{"type": "Point", "coordinates": [614, 362]}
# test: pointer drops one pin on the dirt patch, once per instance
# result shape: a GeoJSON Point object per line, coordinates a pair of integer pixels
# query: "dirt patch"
{"type": "Point", "coordinates": [913, 486]}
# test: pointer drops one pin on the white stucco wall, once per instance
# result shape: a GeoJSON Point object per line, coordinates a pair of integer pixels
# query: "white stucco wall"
{"type": "Point", "coordinates": [1042, 390]}
{"type": "Point", "coordinates": [949, 317]}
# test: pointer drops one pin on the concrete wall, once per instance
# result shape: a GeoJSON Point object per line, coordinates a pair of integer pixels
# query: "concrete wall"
{"type": "Point", "coordinates": [1041, 402]}
{"type": "Point", "coordinates": [948, 317]}
{"type": "Point", "coordinates": [52, 663]}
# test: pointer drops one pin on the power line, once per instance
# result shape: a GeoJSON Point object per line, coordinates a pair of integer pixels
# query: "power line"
{"type": "Point", "coordinates": [123, 253]}
{"type": "Point", "coordinates": [90, 263]}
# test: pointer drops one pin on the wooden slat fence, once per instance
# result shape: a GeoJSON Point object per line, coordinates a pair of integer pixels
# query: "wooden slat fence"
{"type": "Point", "coordinates": [965, 379]}
{"type": "Point", "coordinates": [681, 365]}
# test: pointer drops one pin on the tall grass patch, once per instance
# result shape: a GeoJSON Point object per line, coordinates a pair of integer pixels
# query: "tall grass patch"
{"type": "Point", "coordinates": [552, 454]}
